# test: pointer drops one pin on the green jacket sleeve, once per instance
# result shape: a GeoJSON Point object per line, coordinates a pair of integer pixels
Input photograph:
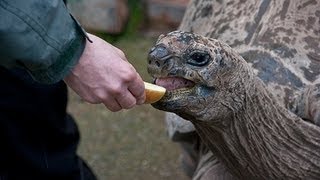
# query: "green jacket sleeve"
{"type": "Point", "coordinates": [41, 37]}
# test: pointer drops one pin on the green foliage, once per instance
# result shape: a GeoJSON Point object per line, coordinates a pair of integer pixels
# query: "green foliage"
{"type": "Point", "coordinates": [135, 18]}
{"type": "Point", "coordinates": [111, 38]}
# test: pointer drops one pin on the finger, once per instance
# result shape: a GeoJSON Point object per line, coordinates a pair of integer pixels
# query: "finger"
{"type": "Point", "coordinates": [127, 100]}
{"type": "Point", "coordinates": [112, 105]}
{"type": "Point", "coordinates": [137, 89]}
{"type": "Point", "coordinates": [91, 100]}
{"type": "Point", "coordinates": [86, 96]}
{"type": "Point", "coordinates": [141, 99]}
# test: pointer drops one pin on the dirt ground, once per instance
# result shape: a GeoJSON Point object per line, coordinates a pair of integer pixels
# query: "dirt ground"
{"type": "Point", "coordinates": [131, 144]}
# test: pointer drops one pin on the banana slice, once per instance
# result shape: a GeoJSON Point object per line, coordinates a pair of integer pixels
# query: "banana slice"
{"type": "Point", "coordinates": [153, 92]}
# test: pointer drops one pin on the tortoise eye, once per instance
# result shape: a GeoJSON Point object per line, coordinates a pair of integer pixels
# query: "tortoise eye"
{"type": "Point", "coordinates": [199, 58]}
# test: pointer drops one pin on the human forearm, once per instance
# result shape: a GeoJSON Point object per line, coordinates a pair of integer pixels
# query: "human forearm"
{"type": "Point", "coordinates": [40, 36]}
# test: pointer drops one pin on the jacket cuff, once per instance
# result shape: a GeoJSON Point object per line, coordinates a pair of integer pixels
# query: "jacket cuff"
{"type": "Point", "coordinates": [66, 61]}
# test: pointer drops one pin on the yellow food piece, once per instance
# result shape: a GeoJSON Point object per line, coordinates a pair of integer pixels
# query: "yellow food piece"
{"type": "Point", "coordinates": [153, 92]}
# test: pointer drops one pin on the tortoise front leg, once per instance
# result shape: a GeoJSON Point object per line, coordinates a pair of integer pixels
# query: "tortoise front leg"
{"type": "Point", "coordinates": [308, 105]}
{"type": "Point", "coordinates": [210, 167]}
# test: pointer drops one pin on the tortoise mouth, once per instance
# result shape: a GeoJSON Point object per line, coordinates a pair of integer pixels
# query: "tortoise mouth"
{"type": "Point", "coordinates": [178, 91]}
{"type": "Point", "coordinates": [174, 83]}
{"type": "Point", "coordinates": [177, 88]}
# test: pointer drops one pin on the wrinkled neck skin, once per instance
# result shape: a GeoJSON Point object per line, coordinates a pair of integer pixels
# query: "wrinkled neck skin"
{"type": "Point", "coordinates": [263, 140]}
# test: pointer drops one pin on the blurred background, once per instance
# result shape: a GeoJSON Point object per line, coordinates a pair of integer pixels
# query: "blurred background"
{"type": "Point", "coordinates": [131, 144]}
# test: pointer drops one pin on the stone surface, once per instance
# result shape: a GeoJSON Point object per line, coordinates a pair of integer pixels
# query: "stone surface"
{"type": "Point", "coordinates": [101, 15]}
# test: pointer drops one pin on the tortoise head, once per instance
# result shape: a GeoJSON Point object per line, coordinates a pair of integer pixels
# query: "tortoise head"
{"type": "Point", "coordinates": [201, 75]}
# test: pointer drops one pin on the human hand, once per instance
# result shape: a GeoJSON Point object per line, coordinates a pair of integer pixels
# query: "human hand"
{"type": "Point", "coordinates": [103, 75]}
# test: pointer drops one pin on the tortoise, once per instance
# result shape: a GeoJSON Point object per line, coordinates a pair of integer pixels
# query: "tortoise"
{"type": "Point", "coordinates": [254, 102]}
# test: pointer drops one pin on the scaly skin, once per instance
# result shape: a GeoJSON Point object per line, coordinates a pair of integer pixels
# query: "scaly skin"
{"type": "Point", "coordinates": [237, 118]}
{"type": "Point", "coordinates": [279, 39]}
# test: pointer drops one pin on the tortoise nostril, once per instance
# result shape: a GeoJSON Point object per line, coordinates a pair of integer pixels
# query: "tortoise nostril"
{"type": "Point", "coordinates": [159, 52]}
{"type": "Point", "coordinates": [158, 56]}
{"type": "Point", "coordinates": [157, 63]}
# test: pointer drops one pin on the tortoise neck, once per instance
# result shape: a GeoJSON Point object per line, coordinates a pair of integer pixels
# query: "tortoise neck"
{"type": "Point", "coordinates": [265, 140]}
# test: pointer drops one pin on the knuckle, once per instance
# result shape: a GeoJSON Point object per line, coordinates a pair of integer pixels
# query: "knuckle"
{"type": "Point", "coordinates": [101, 95]}
{"type": "Point", "coordinates": [130, 76]}
{"type": "Point", "coordinates": [121, 53]}
{"type": "Point", "coordinates": [140, 92]}
{"type": "Point", "coordinates": [91, 100]}
{"type": "Point", "coordinates": [116, 91]}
